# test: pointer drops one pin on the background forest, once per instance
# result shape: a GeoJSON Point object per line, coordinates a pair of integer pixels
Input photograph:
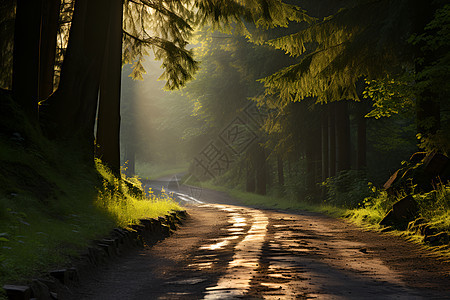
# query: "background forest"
{"type": "Point", "coordinates": [338, 103]}
{"type": "Point", "coordinates": [324, 110]}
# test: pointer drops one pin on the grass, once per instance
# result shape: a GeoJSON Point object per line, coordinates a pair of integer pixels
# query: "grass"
{"type": "Point", "coordinates": [53, 204]}
{"type": "Point", "coordinates": [125, 200]}
{"type": "Point", "coordinates": [155, 171]}
{"type": "Point", "coordinates": [39, 234]}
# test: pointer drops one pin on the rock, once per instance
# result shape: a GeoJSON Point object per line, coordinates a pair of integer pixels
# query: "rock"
{"type": "Point", "coordinates": [113, 245]}
{"type": "Point", "coordinates": [60, 275]}
{"type": "Point", "coordinates": [405, 209]}
{"type": "Point", "coordinates": [108, 248]}
{"type": "Point", "coordinates": [388, 220]}
{"type": "Point", "coordinates": [40, 290]}
{"type": "Point", "coordinates": [17, 292]}
{"type": "Point", "coordinates": [147, 223]}
{"type": "Point", "coordinates": [138, 227]}
{"type": "Point", "coordinates": [165, 230]}
{"type": "Point", "coordinates": [402, 212]}
{"type": "Point", "coordinates": [72, 275]}
{"type": "Point", "coordinates": [424, 171]}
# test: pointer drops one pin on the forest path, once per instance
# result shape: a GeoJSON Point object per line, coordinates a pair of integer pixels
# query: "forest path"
{"type": "Point", "coordinates": [226, 251]}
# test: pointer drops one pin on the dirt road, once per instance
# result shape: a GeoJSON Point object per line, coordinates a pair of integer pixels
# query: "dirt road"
{"type": "Point", "coordinates": [226, 251]}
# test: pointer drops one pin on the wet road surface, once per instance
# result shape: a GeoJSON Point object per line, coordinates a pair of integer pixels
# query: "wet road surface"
{"type": "Point", "coordinates": [227, 251]}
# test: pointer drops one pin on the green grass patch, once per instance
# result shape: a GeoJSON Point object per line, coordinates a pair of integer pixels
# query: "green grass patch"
{"type": "Point", "coordinates": [125, 200]}
{"type": "Point", "coordinates": [155, 171]}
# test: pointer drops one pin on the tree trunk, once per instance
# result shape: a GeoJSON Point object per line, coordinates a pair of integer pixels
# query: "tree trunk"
{"type": "Point", "coordinates": [280, 170]}
{"type": "Point", "coordinates": [332, 139]}
{"type": "Point", "coordinates": [49, 31]}
{"type": "Point", "coordinates": [26, 56]}
{"type": "Point", "coordinates": [325, 146]}
{"type": "Point", "coordinates": [361, 122]}
{"type": "Point", "coordinates": [108, 122]}
{"type": "Point", "coordinates": [427, 103]}
{"type": "Point", "coordinates": [313, 153]}
{"type": "Point", "coordinates": [70, 112]}
{"type": "Point", "coordinates": [250, 185]}
{"type": "Point", "coordinates": [261, 171]}
{"type": "Point", "coordinates": [343, 158]}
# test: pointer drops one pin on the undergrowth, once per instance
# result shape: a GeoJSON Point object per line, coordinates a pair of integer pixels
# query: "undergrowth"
{"type": "Point", "coordinates": [52, 204]}
{"type": "Point", "coordinates": [125, 200]}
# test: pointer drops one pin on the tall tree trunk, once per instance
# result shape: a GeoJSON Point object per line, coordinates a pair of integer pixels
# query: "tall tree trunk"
{"type": "Point", "coordinates": [49, 31]}
{"type": "Point", "coordinates": [332, 139]}
{"type": "Point", "coordinates": [70, 112]}
{"type": "Point", "coordinates": [313, 153]}
{"type": "Point", "coordinates": [280, 170]}
{"type": "Point", "coordinates": [261, 171]}
{"type": "Point", "coordinates": [325, 146]}
{"type": "Point", "coordinates": [250, 184]}
{"type": "Point", "coordinates": [361, 123]}
{"type": "Point", "coordinates": [427, 103]}
{"type": "Point", "coordinates": [343, 157]}
{"type": "Point", "coordinates": [108, 122]}
{"type": "Point", "coordinates": [26, 56]}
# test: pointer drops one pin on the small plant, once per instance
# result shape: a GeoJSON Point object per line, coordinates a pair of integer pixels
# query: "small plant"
{"type": "Point", "coordinates": [348, 189]}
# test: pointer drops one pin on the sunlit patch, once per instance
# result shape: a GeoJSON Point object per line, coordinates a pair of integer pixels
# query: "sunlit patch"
{"type": "Point", "coordinates": [229, 209]}
{"type": "Point", "coordinates": [241, 269]}
{"type": "Point", "coordinates": [238, 221]}
{"type": "Point", "coordinates": [202, 266]}
{"type": "Point", "coordinates": [272, 286]}
{"type": "Point", "coordinates": [280, 226]}
{"type": "Point", "coordinates": [215, 246]}
{"type": "Point", "coordinates": [278, 276]}
{"type": "Point", "coordinates": [233, 237]}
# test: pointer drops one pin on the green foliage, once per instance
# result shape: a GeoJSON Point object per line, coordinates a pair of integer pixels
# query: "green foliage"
{"type": "Point", "coordinates": [348, 189]}
{"type": "Point", "coordinates": [7, 14]}
{"type": "Point", "coordinates": [125, 200]}
{"type": "Point", "coordinates": [391, 96]}
{"type": "Point", "coordinates": [164, 27]}
{"type": "Point", "coordinates": [362, 39]}
{"type": "Point", "coordinates": [435, 207]}
{"type": "Point", "coordinates": [435, 42]}
{"type": "Point", "coordinates": [440, 141]}
{"type": "Point", "coordinates": [372, 209]}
